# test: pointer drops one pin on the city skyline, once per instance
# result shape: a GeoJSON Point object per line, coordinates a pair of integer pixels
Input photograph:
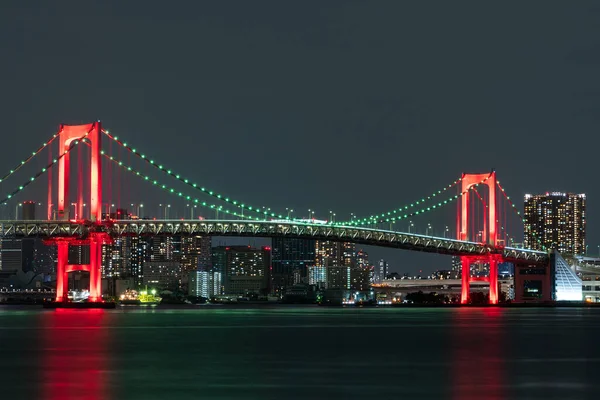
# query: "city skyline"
{"type": "Point", "coordinates": [279, 112]}
{"type": "Point", "coordinates": [225, 199]}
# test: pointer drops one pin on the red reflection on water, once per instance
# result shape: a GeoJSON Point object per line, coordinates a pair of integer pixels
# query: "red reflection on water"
{"type": "Point", "coordinates": [478, 354]}
{"type": "Point", "coordinates": [74, 355]}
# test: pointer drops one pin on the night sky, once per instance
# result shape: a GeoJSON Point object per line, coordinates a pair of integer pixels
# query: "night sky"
{"type": "Point", "coordinates": [350, 106]}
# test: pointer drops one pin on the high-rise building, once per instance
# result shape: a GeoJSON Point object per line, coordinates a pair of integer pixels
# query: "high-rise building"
{"type": "Point", "coordinates": [338, 259]}
{"type": "Point", "coordinates": [28, 254]}
{"type": "Point", "coordinates": [362, 258]}
{"type": "Point", "coordinates": [349, 254]}
{"type": "Point", "coordinates": [11, 255]}
{"type": "Point", "coordinates": [334, 254]}
{"type": "Point", "coordinates": [339, 277]}
{"type": "Point", "coordinates": [79, 254]}
{"type": "Point", "coordinates": [45, 258]}
{"type": "Point", "coordinates": [114, 258]}
{"type": "Point", "coordinates": [361, 273]}
{"type": "Point", "coordinates": [195, 255]}
{"type": "Point", "coordinates": [204, 252]}
{"type": "Point", "coordinates": [290, 259]}
{"type": "Point", "coordinates": [162, 274]}
{"type": "Point", "coordinates": [203, 283]}
{"type": "Point", "coordinates": [138, 255]}
{"type": "Point", "coordinates": [328, 253]}
{"type": "Point", "coordinates": [245, 270]}
{"type": "Point", "coordinates": [381, 272]}
{"type": "Point", "coordinates": [361, 277]}
{"type": "Point", "coordinates": [163, 248]}
{"type": "Point", "coordinates": [317, 276]}
{"type": "Point", "coordinates": [555, 220]}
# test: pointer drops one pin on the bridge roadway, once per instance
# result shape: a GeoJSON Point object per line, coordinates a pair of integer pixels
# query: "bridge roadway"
{"type": "Point", "coordinates": [292, 229]}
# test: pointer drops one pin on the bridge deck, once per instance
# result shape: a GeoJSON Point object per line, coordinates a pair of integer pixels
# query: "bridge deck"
{"type": "Point", "coordinates": [359, 235]}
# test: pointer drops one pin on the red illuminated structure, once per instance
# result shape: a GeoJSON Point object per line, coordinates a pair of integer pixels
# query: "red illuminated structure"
{"type": "Point", "coordinates": [95, 241]}
{"type": "Point", "coordinates": [489, 232]}
{"type": "Point", "coordinates": [91, 133]}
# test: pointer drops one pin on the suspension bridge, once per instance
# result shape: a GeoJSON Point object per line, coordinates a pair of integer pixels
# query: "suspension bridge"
{"type": "Point", "coordinates": [481, 215]}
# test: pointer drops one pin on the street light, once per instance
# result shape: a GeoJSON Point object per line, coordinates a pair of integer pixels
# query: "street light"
{"type": "Point", "coordinates": [166, 207]}
{"type": "Point", "coordinates": [17, 210]}
{"type": "Point", "coordinates": [410, 226]}
{"type": "Point", "coordinates": [108, 207]}
{"type": "Point", "coordinates": [138, 206]}
{"type": "Point", "coordinates": [446, 232]}
{"type": "Point", "coordinates": [428, 229]}
{"type": "Point", "coordinates": [192, 210]}
{"type": "Point", "coordinates": [289, 211]}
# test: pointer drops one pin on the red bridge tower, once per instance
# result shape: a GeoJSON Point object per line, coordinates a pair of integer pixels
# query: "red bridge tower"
{"type": "Point", "coordinates": [92, 134]}
{"type": "Point", "coordinates": [489, 233]}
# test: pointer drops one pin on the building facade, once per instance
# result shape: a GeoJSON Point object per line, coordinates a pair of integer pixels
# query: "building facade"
{"type": "Point", "coordinates": [290, 259]}
{"type": "Point", "coordinates": [381, 271]}
{"type": "Point", "coordinates": [245, 270]}
{"type": "Point", "coordinates": [555, 221]}
{"type": "Point", "coordinates": [204, 283]}
{"type": "Point", "coordinates": [11, 253]}
{"type": "Point", "coordinates": [165, 275]}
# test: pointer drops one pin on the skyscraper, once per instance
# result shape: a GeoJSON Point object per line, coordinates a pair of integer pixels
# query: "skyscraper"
{"type": "Point", "coordinates": [381, 271]}
{"type": "Point", "coordinates": [328, 254]}
{"type": "Point", "coordinates": [195, 255]}
{"type": "Point", "coordinates": [334, 254]}
{"type": "Point", "coordinates": [361, 273]}
{"type": "Point", "coordinates": [555, 220]}
{"type": "Point", "coordinates": [138, 255]}
{"type": "Point", "coordinates": [291, 258]}
{"type": "Point", "coordinates": [114, 257]}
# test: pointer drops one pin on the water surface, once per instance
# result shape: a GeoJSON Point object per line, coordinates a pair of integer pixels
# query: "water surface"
{"type": "Point", "coordinates": [299, 353]}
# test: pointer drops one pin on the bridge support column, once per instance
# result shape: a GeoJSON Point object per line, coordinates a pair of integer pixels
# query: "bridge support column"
{"type": "Point", "coordinates": [493, 260]}
{"type": "Point", "coordinates": [96, 241]}
{"type": "Point", "coordinates": [62, 277]}
{"type": "Point", "coordinates": [466, 279]}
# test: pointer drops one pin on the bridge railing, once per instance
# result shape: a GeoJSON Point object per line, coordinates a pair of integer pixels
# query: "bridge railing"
{"type": "Point", "coordinates": [365, 236]}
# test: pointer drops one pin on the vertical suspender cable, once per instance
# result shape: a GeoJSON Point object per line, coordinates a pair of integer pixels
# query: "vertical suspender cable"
{"type": "Point", "coordinates": [50, 173]}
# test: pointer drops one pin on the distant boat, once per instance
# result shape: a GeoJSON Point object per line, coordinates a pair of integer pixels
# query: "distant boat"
{"type": "Point", "coordinates": [132, 297]}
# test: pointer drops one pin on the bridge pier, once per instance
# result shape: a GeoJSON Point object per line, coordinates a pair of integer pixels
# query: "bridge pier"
{"type": "Point", "coordinates": [95, 242]}
{"type": "Point", "coordinates": [492, 260]}
{"type": "Point", "coordinates": [62, 277]}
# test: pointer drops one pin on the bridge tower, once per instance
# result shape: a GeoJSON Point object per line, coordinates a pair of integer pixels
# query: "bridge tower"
{"type": "Point", "coordinates": [67, 134]}
{"type": "Point", "coordinates": [489, 233]}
